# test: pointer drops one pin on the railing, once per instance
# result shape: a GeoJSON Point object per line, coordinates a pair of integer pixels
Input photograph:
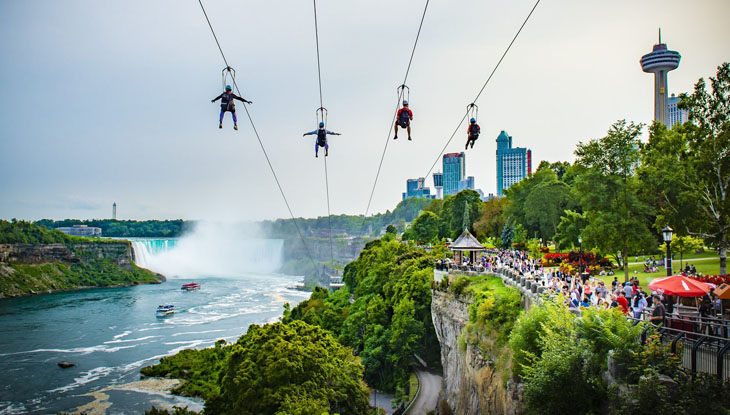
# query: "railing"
{"type": "Point", "coordinates": [701, 325]}
{"type": "Point", "coordinates": [698, 352]}
{"type": "Point", "coordinates": [459, 267]}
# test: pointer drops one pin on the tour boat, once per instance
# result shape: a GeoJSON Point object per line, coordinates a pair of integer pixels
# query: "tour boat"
{"type": "Point", "coordinates": [190, 287]}
{"type": "Point", "coordinates": [165, 310]}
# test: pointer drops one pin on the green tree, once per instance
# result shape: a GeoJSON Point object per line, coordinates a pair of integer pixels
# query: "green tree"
{"type": "Point", "coordinates": [617, 220]}
{"type": "Point", "coordinates": [507, 236]}
{"type": "Point", "coordinates": [453, 212]}
{"type": "Point", "coordinates": [707, 161]}
{"type": "Point", "coordinates": [546, 204]}
{"type": "Point", "coordinates": [681, 245]}
{"type": "Point", "coordinates": [391, 229]}
{"type": "Point", "coordinates": [406, 337]}
{"type": "Point", "coordinates": [515, 208]}
{"type": "Point", "coordinates": [569, 229]}
{"type": "Point", "coordinates": [426, 227]}
{"type": "Point", "coordinates": [290, 368]}
{"type": "Point", "coordinates": [491, 219]}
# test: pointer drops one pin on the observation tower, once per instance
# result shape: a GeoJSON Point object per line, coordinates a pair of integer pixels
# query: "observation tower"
{"type": "Point", "coordinates": [659, 62]}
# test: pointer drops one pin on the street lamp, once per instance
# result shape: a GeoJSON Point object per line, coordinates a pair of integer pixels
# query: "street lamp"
{"type": "Point", "coordinates": [580, 253]}
{"type": "Point", "coordinates": [667, 233]}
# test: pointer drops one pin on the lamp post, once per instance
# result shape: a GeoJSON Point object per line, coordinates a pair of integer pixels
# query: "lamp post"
{"type": "Point", "coordinates": [580, 253]}
{"type": "Point", "coordinates": [667, 234]}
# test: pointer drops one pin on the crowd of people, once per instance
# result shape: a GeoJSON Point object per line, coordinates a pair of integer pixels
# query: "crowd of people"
{"type": "Point", "coordinates": [579, 290]}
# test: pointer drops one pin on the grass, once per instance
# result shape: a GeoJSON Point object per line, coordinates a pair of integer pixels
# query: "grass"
{"type": "Point", "coordinates": [412, 387]}
{"type": "Point", "coordinates": [19, 279]}
{"type": "Point", "coordinates": [703, 267]}
{"type": "Point", "coordinates": [486, 283]}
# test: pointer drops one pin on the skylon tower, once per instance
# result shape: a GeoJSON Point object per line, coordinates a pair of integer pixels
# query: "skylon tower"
{"type": "Point", "coordinates": [659, 62]}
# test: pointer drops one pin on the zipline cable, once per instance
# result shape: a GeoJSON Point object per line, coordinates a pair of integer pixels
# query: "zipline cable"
{"type": "Point", "coordinates": [395, 114]}
{"type": "Point", "coordinates": [322, 109]}
{"type": "Point", "coordinates": [258, 137]}
{"type": "Point", "coordinates": [482, 89]}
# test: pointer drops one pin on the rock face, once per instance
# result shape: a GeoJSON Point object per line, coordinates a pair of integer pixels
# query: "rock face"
{"type": "Point", "coordinates": [120, 251]}
{"type": "Point", "coordinates": [472, 385]}
{"type": "Point", "coordinates": [27, 269]}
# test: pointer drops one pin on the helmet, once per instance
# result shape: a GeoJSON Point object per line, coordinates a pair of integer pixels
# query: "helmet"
{"type": "Point", "coordinates": [473, 120]}
{"type": "Point", "coordinates": [405, 102]}
{"type": "Point", "coordinates": [228, 87]}
{"type": "Point", "coordinates": [321, 125]}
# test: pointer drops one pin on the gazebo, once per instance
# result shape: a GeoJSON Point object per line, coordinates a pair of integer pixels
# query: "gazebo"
{"type": "Point", "coordinates": [466, 245]}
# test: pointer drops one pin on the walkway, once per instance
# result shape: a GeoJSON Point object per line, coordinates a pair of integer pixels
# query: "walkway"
{"type": "Point", "coordinates": [427, 399]}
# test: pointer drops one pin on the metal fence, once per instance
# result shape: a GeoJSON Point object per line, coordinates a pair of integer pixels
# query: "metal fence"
{"type": "Point", "coordinates": [698, 352]}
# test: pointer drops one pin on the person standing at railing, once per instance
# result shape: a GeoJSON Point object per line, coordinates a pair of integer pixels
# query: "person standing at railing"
{"type": "Point", "coordinates": [659, 312]}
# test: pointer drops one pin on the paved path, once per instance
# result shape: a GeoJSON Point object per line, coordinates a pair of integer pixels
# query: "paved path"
{"type": "Point", "coordinates": [677, 260]}
{"type": "Point", "coordinates": [428, 396]}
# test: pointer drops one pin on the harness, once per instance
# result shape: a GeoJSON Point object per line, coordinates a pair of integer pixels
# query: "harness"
{"type": "Point", "coordinates": [403, 116]}
{"type": "Point", "coordinates": [321, 137]}
{"type": "Point", "coordinates": [227, 103]}
{"type": "Point", "coordinates": [474, 131]}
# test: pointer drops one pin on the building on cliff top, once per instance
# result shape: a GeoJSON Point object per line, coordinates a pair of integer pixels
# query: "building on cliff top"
{"type": "Point", "coordinates": [80, 230]}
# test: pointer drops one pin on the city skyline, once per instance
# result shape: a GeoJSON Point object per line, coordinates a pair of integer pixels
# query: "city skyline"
{"type": "Point", "coordinates": [125, 115]}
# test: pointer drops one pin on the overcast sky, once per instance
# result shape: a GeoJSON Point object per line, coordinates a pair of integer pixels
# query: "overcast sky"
{"type": "Point", "coordinates": [110, 101]}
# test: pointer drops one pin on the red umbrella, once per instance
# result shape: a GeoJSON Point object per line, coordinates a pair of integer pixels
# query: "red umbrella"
{"type": "Point", "coordinates": [680, 286]}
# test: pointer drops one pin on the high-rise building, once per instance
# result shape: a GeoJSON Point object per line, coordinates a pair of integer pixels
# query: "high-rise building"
{"type": "Point", "coordinates": [467, 183]}
{"type": "Point", "coordinates": [454, 170]}
{"type": "Point", "coordinates": [513, 164]}
{"type": "Point", "coordinates": [659, 62]}
{"type": "Point", "coordinates": [415, 188]}
{"type": "Point", "coordinates": [674, 114]}
{"type": "Point", "coordinates": [438, 184]}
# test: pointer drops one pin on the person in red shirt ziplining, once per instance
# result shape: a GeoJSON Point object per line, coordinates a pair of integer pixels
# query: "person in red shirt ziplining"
{"type": "Point", "coordinates": [403, 120]}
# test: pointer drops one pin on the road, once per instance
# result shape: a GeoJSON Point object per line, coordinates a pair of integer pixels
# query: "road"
{"type": "Point", "coordinates": [428, 396]}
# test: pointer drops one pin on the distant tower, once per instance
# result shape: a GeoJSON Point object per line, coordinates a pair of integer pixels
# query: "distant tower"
{"type": "Point", "coordinates": [438, 183]}
{"type": "Point", "coordinates": [114, 211]}
{"type": "Point", "coordinates": [659, 62]}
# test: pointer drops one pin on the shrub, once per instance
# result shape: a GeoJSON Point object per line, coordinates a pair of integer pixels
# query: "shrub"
{"type": "Point", "coordinates": [529, 329]}
{"type": "Point", "coordinates": [605, 330]}
{"type": "Point", "coordinates": [559, 382]}
{"type": "Point", "coordinates": [459, 284]}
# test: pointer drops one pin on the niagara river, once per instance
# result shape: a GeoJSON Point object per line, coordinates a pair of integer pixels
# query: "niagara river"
{"type": "Point", "coordinates": [109, 334]}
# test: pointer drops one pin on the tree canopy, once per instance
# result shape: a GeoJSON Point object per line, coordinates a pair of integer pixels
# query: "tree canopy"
{"type": "Point", "coordinates": [293, 368]}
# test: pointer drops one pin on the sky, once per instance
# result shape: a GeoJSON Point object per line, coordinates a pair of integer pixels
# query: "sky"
{"type": "Point", "coordinates": [108, 102]}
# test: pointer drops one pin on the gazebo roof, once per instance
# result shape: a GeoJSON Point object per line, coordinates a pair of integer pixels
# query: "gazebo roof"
{"type": "Point", "coordinates": [466, 242]}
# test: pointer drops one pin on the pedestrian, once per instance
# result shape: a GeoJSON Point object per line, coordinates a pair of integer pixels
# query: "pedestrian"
{"type": "Point", "coordinates": [623, 302]}
{"type": "Point", "coordinates": [659, 312]}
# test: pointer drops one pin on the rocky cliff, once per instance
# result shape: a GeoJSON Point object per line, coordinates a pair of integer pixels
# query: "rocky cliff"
{"type": "Point", "coordinates": [120, 252]}
{"type": "Point", "coordinates": [472, 384]}
{"type": "Point", "coordinates": [296, 256]}
{"type": "Point", "coordinates": [27, 269]}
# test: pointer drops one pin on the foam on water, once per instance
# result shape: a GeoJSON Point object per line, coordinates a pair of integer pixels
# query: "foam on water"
{"type": "Point", "coordinates": [109, 341]}
{"type": "Point", "coordinates": [87, 377]}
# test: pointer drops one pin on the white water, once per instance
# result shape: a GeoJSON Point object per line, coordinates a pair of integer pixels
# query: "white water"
{"type": "Point", "coordinates": [212, 249]}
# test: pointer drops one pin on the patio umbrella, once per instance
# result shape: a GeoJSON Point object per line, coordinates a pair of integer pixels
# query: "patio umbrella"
{"type": "Point", "coordinates": [680, 286]}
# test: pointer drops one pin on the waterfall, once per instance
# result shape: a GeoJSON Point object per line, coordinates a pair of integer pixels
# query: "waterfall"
{"type": "Point", "coordinates": [210, 250]}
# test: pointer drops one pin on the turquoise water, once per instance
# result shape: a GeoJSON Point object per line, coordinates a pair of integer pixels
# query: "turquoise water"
{"type": "Point", "coordinates": [111, 333]}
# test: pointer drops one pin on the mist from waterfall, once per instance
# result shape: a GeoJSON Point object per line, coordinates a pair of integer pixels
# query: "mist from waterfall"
{"type": "Point", "coordinates": [211, 249]}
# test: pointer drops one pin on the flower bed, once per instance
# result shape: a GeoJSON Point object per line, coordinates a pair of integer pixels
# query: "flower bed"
{"type": "Point", "coordinates": [714, 279]}
{"type": "Point", "coordinates": [575, 260]}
